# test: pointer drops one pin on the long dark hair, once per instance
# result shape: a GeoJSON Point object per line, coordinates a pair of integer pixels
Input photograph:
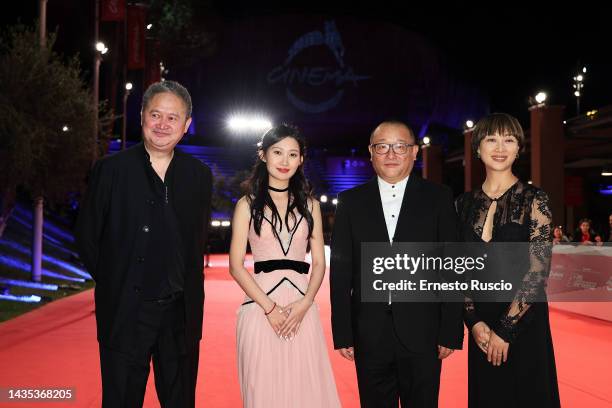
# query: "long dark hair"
{"type": "Point", "coordinates": [256, 186]}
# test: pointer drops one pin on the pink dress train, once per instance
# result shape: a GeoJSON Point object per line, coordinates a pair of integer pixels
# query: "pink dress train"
{"type": "Point", "coordinates": [277, 373]}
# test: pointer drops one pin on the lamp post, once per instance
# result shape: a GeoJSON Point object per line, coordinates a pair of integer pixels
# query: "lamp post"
{"type": "Point", "coordinates": [128, 89]}
{"type": "Point", "coordinates": [578, 84]}
{"type": "Point", "coordinates": [37, 210]}
{"type": "Point", "coordinates": [100, 50]}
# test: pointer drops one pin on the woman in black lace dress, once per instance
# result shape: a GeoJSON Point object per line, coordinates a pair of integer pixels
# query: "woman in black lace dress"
{"type": "Point", "coordinates": [510, 355]}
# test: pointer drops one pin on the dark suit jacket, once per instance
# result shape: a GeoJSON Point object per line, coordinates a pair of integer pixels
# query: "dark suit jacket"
{"type": "Point", "coordinates": [427, 215]}
{"type": "Point", "coordinates": [112, 239]}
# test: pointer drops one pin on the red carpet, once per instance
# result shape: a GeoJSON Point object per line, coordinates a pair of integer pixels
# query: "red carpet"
{"type": "Point", "coordinates": [55, 346]}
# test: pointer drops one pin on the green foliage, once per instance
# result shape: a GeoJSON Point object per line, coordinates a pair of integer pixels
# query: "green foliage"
{"type": "Point", "coordinates": [40, 93]}
{"type": "Point", "coordinates": [183, 29]}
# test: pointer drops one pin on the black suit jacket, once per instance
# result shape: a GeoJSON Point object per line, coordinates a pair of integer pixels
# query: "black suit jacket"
{"type": "Point", "coordinates": [112, 239]}
{"type": "Point", "coordinates": [427, 215]}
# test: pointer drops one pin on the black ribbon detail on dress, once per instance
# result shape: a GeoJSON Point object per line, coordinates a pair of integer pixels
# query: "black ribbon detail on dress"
{"type": "Point", "coordinates": [279, 264]}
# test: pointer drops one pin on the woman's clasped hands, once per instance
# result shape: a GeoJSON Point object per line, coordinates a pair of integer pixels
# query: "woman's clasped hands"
{"type": "Point", "coordinates": [286, 320]}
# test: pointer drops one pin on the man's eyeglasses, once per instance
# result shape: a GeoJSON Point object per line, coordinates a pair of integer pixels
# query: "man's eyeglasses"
{"type": "Point", "coordinates": [398, 148]}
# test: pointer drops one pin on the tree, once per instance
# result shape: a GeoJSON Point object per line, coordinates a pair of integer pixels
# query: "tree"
{"type": "Point", "coordinates": [46, 121]}
{"type": "Point", "coordinates": [183, 28]}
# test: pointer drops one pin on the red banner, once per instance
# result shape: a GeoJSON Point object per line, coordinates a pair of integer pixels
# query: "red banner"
{"type": "Point", "coordinates": [112, 10]}
{"type": "Point", "coordinates": [136, 36]}
{"type": "Point", "coordinates": [152, 72]}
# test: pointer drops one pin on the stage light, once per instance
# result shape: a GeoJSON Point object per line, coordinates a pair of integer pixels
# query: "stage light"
{"type": "Point", "coordinates": [254, 123]}
{"type": "Point", "coordinates": [426, 140]}
{"type": "Point", "coordinates": [149, 26]}
{"type": "Point", "coordinates": [323, 198]}
{"type": "Point", "coordinates": [335, 201]}
{"type": "Point", "coordinates": [225, 223]}
{"type": "Point", "coordinates": [215, 223]}
{"type": "Point", "coordinates": [578, 85]}
{"type": "Point", "coordinates": [469, 124]}
{"type": "Point", "coordinates": [541, 97]}
{"type": "Point", "coordinates": [128, 86]}
{"type": "Point", "coordinates": [65, 128]}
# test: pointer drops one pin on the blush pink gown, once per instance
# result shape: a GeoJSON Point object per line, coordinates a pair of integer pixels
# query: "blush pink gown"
{"type": "Point", "coordinates": [277, 373]}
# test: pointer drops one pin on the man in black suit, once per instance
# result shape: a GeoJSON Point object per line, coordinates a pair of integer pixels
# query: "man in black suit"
{"type": "Point", "coordinates": [141, 233]}
{"type": "Point", "coordinates": [397, 346]}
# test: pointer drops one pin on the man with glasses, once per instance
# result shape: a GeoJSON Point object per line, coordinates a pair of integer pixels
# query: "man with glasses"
{"type": "Point", "coordinates": [397, 346]}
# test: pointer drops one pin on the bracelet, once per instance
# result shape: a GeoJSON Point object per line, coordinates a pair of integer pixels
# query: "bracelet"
{"type": "Point", "coordinates": [273, 307]}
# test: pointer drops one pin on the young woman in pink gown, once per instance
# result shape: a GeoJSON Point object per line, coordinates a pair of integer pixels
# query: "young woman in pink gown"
{"type": "Point", "coordinates": [282, 355]}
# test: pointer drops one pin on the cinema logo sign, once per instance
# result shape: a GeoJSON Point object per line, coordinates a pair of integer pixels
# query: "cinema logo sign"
{"type": "Point", "coordinates": [325, 83]}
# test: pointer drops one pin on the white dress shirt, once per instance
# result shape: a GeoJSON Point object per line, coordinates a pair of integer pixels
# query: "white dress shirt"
{"type": "Point", "coordinates": [391, 196]}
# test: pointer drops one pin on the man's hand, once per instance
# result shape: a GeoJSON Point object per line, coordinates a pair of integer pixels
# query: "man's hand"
{"type": "Point", "coordinates": [444, 352]}
{"type": "Point", "coordinates": [348, 353]}
{"type": "Point", "coordinates": [481, 333]}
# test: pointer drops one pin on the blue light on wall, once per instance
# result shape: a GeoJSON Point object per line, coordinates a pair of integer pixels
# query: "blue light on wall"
{"type": "Point", "coordinates": [47, 226]}
{"type": "Point", "coordinates": [28, 284]}
{"type": "Point", "coordinates": [606, 190]}
{"type": "Point", "coordinates": [17, 264]}
{"type": "Point", "coordinates": [21, 298]}
{"type": "Point", "coordinates": [58, 262]}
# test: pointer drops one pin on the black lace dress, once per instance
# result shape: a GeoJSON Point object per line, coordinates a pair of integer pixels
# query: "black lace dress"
{"type": "Point", "coordinates": [528, 378]}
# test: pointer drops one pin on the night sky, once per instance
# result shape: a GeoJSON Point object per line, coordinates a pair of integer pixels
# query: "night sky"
{"type": "Point", "coordinates": [509, 52]}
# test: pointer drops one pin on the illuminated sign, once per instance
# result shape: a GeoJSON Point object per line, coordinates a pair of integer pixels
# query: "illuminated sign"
{"type": "Point", "coordinates": [315, 88]}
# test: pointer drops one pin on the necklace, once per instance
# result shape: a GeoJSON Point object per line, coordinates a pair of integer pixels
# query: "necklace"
{"type": "Point", "coordinates": [278, 190]}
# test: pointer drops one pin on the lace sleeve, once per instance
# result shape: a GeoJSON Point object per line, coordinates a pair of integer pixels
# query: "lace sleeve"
{"type": "Point", "coordinates": [533, 285]}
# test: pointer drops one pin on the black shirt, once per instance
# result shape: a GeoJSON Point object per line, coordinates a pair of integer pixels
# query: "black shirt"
{"type": "Point", "coordinates": [164, 263]}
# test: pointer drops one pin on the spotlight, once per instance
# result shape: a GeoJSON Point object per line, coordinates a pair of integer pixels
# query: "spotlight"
{"type": "Point", "coordinates": [469, 124]}
{"type": "Point", "coordinates": [541, 97]}
{"type": "Point", "coordinates": [335, 201]}
{"type": "Point", "coordinates": [129, 86]}
{"type": "Point", "coordinates": [215, 223]}
{"type": "Point", "coordinates": [323, 198]}
{"type": "Point", "coordinates": [256, 123]}
{"type": "Point", "coordinates": [65, 128]}
{"type": "Point", "coordinates": [101, 47]}
{"type": "Point", "coordinates": [426, 140]}
{"type": "Point", "coordinates": [225, 223]}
